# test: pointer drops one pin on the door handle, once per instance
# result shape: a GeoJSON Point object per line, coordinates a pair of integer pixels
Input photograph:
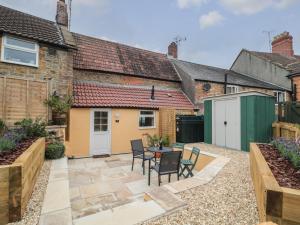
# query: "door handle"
{"type": "Point", "coordinates": [225, 123]}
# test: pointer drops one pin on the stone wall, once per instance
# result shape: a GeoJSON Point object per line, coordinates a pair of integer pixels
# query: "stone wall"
{"type": "Point", "coordinates": [54, 63]}
{"type": "Point", "coordinates": [111, 78]}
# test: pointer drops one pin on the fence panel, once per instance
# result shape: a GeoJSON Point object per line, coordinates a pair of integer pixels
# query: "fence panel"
{"type": "Point", "coordinates": [289, 112]}
{"type": "Point", "coordinates": [21, 98]}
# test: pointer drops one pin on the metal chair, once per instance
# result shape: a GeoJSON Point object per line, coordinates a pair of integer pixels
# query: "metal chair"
{"type": "Point", "coordinates": [178, 145]}
{"type": "Point", "coordinates": [189, 164]}
{"type": "Point", "coordinates": [138, 151]}
{"type": "Point", "coordinates": [169, 164]}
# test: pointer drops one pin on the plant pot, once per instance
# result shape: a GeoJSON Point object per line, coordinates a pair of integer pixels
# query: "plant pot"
{"type": "Point", "coordinates": [59, 118]}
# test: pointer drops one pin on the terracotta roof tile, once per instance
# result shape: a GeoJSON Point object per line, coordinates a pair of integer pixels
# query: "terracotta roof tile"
{"type": "Point", "coordinates": [99, 95]}
{"type": "Point", "coordinates": [101, 55]}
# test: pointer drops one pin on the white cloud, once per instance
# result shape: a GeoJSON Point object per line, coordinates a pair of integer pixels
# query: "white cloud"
{"type": "Point", "coordinates": [183, 4]}
{"type": "Point", "coordinates": [210, 19]}
{"type": "Point", "coordinates": [249, 7]}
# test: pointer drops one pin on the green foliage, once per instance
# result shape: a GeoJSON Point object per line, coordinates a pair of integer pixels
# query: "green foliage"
{"type": "Point", "coordinates": [59, 105]}
{"type": "Point", "coordinates": [3, 127]}
{"type": "Point", "coordinates": [155, 140]}
{"type": "Point", "coordinates": [289, 149]}
{"type": "Point", "coordinates": [32, 129]}
{"type": "Point", "coordinates": [55, 150]}
{"type": "Point", "coordinates": [6, 145]}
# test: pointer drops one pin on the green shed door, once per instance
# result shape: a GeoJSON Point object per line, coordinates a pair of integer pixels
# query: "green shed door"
{"type": "Point", "coordinates": [208, 122]}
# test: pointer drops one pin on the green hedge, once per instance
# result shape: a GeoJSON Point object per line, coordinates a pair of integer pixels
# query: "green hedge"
{"type": "Point", "coordinates": [55, 150]}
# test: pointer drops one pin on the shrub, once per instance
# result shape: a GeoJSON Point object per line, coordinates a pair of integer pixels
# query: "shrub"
{"type": "Point", "coordinates": [155, 140]}
{"type": "Point", "coordinates": [6, 145]}
{"type": "Point", "coordinates": [32, 129]}
{"type": "Point", "coordinates": [55, 150]}
{"type": "Point", "coordinates": [3, 127]}
{"type": "Point", "coordinates": [15, 135]}
{"type": "Point", "coordinates": [289, 149]}
{"type": "Point", "coordinates": [59, 105]}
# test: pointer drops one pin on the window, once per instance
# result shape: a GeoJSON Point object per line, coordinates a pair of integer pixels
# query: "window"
{"type": "Point", "coordinates": [280, 96]}
{"type": "Point", "coordinates": [100, 121]}
{"type": "Point", "coordinates": [231, 89]}
{"type": "Point", "coordinates": [147, 119]}
{"type": "Point", "coordinates": [19, 51]}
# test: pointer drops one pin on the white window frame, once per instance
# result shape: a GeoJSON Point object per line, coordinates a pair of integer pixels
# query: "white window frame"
{"type": "Point", "coordinates": [236, 88]}
{"type": "Point", "coordinates": [153, 116]}
{"type": "Point", "coordinates": [277, 99]}
{"type": "Point", "coordinates": [5, 45]}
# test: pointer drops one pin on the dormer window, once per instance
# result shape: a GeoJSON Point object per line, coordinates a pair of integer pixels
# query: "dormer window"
{"type": "Point", "coordinates": [19, 51]}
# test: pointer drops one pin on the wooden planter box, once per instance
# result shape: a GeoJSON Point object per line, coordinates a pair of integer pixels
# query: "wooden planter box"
{"type": "Point", "coordinates": [17, 182]}
{"type": "Point", "coordinates": [277, 204]}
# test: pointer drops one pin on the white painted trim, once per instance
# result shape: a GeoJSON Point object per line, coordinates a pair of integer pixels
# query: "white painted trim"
{"type": "Point", "coordinates": [5, 45]}
{"type": "Point", "coordinates": [154, 117]}
{"type": "Point", "coordinates": [240, 94]}
{"type": "Point", "coordinates": [92, 110]}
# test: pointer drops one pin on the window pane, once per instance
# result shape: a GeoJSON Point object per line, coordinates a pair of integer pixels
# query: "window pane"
{"type": "Point", "coordinates": [97, 121]}
{"type": "Point", "coordinates": [146, 122]}
{"type": "Point", "coordinates": [97, 114]}
{"type": "Point", "coordinates": [103, 121]}
{"type": "Point", "coordinates": [103, 128]}
{"type": "Point", "coordinates": [19, 56]}
{"type": "Point", "coordinates": [96, 127]}
{"type": "Point", "coordinates": [20, 43]}
{"type": "Point", "coordinates": [103, 114]}
{"type": "Point", "coordinates": [147, 112]}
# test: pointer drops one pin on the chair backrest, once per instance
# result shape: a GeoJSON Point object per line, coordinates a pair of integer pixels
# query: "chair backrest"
{"type": "Point", "coordinates": [170, 162]}
{"type": "Point", "coordinates": [195, 153]}
{"type": "Point", "coordinates": [137, 147]}
{"type": "Point", "coordinates": [178, 145]}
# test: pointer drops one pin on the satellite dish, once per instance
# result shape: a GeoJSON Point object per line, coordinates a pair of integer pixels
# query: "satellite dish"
{"type": "Point", "coordinates": [206, 87]}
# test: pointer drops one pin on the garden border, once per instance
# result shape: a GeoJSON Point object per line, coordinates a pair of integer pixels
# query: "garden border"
{"type": "Point", "coordinates": [275, 203]}
{"type": "Point", "coordinates": [18, 180]}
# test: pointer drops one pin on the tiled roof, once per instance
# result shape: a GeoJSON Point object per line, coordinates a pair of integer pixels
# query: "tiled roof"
{"type": "Point", "coordinates": [292, 64]}
{"type": "Point", "coordinates": [100, 95]}
{"type": "Point", "coordinates": [22, 24]}
{"type": "Point", "coordinates": [215, 74]}
{"type": "Point", "coordinates": [101, 55]}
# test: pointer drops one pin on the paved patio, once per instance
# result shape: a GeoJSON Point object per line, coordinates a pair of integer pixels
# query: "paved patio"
{"type": "Point", "coordinates": [106, 190]}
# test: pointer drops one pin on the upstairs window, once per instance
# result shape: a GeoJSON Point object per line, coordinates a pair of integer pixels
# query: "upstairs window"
{"type": "Point", "coordinates": [231, 89]}
{"type": "Point", "coordinates": [279, 96]}
{"type": "Point", "coordinates": [19, 51]}
{"type": "Point", "coordinates": [147, 119]}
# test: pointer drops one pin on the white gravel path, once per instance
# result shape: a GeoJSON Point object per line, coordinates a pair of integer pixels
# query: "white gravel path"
{"type": "Point", "coordinates": [229, 199]}
{"type": "Point", "coordinates": [32, 213]}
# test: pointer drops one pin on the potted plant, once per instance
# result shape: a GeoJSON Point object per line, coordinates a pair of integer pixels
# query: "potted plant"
{"type": "Point", "coordinates": [59, 106]}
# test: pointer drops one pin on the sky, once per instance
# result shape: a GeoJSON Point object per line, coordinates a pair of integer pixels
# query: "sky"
{"type": "Point", "coordinates": [215, 30]}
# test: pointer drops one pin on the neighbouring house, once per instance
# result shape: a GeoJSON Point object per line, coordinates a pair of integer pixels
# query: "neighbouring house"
{"type": "Point", "coordinates": [275, 68]}
{"type": "Point", "coordinates": [35, 60]}
{"type": "Point", "coordinates": [200, 81]}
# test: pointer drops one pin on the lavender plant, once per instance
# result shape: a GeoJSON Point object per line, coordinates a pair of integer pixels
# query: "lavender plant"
{"type": "Point", "coordinates": [289, 149]}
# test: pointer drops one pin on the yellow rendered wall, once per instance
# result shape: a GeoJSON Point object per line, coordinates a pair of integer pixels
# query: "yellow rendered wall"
{"type": "Point", "coordinates": [128, 129]}
{"type": "Point", "coordinates": [79, 137]}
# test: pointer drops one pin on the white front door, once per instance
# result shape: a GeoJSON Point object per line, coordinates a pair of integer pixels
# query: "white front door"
{"type": "Point", "coordinates": [100, 132]}
{"type": "Point", "coordinates": [232, 124]}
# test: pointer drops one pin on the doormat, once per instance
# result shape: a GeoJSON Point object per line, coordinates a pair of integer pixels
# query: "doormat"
{"type": "Point", "coordinates": [101, 156]}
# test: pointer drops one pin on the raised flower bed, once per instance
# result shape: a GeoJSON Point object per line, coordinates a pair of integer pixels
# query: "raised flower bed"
{"type": "Point", "coordinates": [276, 180]}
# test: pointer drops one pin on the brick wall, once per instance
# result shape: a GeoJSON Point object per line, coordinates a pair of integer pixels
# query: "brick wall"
{"type": "Point", "coordinates": [216, 89]}
{"type": "Point", "coordinates": [121, 79]}
{"type": "Point", "coordinates": [58, 66]}
{"type": "Point", "coordinates": [296, 80]}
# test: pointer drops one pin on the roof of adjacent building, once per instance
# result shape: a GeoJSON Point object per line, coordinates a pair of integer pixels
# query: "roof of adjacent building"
{"type": "Point", "coordinates": [28, 26]}
{"type": "Point", "coordinates": [92, 94]}
{"type": "Point", "coordinates": [106, 56]}
{"type": "Point", "coordinates": [214, 74]}
{"type": "Point", "coordinates": [292, 64]}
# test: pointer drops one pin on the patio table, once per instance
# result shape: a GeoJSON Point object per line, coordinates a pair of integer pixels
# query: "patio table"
{"type": "Point", "coordinates": [156, 150]}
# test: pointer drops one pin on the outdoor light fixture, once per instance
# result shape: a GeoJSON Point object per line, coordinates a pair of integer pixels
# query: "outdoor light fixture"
{"type": "Point", "coordinates": [117, 117]}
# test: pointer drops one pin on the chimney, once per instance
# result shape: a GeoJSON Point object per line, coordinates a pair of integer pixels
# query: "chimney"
{"type": "Point", "coordinates": [172, 50]}
{"type": "Point", "coordinates": [62, 13]}
{"type": "Point", "coordinates": [283, 44]}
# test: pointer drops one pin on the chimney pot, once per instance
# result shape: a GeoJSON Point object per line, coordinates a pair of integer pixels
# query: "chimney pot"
{"type": "Point", "coordinates": [62, 13]}
{"type": "Point", "coordinates": [172, 50]}
{"type": "Point", "coordinates": [283, 44]}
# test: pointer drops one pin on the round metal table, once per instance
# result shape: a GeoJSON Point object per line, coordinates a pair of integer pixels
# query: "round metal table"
{"type": "Point", "coordinates": [156, 150]}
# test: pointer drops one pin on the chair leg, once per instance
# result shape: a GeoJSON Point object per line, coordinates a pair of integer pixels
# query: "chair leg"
{"type": "Point", "coordinates": [178, 175]}
{"type": "Point", "coordinates": [132, 164]}
{"type": "Point", "coordinates": [190, 172]}
{"type": "Point", "coordinates": [143, 165]}
{"type": "Point", "coordinates": [149, 176]}
{"type": "Point", "coordinates": [159, 180]}
{"type": "Point", "coordinates": [169, 177]}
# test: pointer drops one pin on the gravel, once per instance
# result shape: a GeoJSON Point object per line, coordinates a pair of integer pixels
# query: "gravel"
{"type": "Point", "coordinates": [34, 207]}
{"type": "Point", "coordinates": [227, 199]}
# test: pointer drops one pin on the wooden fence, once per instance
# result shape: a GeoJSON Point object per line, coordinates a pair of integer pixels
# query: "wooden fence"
{"type": "Point", "coordinates": [22, 98]}
{"type": "Point", "coordinates": [286, 130]}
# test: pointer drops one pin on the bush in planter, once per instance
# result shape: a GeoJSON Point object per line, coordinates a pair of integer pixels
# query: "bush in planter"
{"type": "Point", "coordinates": [32, 129]}
{"type": "Point", "coordinates": [289, 149]}
{"type": "Point", "coordinates": [3, 127]}
{"type": "Point", "coordinates": [55, 150]}
{"type": "Point", "coordinates": [6, 145]}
